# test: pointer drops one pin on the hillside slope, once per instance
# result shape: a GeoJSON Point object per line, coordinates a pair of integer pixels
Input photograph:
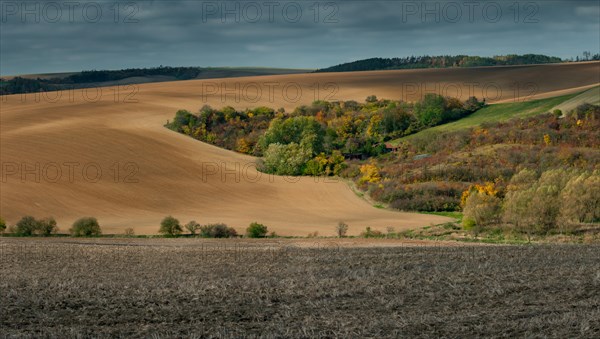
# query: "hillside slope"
{"type": "Point", "coordinates": [591, 96]}
{"type": "Point", "coordinates": [496, 113]}
{"type": "Point", "coordinates": [191, 180]}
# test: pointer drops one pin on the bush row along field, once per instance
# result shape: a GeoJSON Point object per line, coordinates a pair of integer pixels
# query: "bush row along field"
{"type": "Point", "coordinates": [162, 288]}
{"type": "Point", "coordinates": [169, 227]}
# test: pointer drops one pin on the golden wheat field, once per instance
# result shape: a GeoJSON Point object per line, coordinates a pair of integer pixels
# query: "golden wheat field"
{"type": "Point", "coordinates": [105, 153]}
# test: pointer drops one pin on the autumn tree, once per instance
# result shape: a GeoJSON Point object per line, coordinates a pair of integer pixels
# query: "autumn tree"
{"type": "Point", "coordinates": [481, 206]}
{"type": "Point", "coordinates": [545, 204]}
{"type": "Point", "coordinates": [580, 200]}
{"type": "Point", "coordinates": [370, 173]}
{"type": "Point", "coordinates": [317, 165]}
{"type": "Point", "coordinates": [324, 165]}
{"type": "Point", "coordinates": [243, 146]}
{"type": "Point", "coordinates": [533, 205]}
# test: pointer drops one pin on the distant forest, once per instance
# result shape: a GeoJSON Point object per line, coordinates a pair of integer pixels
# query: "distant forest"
{"type": "Point", "coordinates": [99, 78]}
{"type": "Point", "coordinates": [445, 61]}
{"type": "Point", "coordinates": [18, 85]}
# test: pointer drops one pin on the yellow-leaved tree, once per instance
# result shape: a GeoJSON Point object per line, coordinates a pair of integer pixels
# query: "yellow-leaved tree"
{"type": "Point", "coordinates": [370, 173]}
{"type": "Point", "coordinates": [481, 206]}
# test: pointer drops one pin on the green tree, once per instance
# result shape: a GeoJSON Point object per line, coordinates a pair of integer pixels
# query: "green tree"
{"type": "Point", "coordinates": [430, 111]}
{"type": "Point", "coordinates": [2, 225]}
{"type": "Point", "coordinates": [287, 159]}
{"type": "Point", "coordinates": [472, 104]}
{"type": "Point", "coordinates": [335, 163]}
{"type": "Point", "coordinates": [170, 226]}
{"type": "Point", "coordinates": [27, 226]}
{"type": "Point", "coordinates": [371, 99]}
{"type": "Point", "coordinates": [316, 166]}
{"type": "Point", "coordinates": [395, 119]}
{"type": "Point", "coordinates": [86, 227]}
{"type": "Point", "coordinates": [182, 118]}
{"type": "Point", "coordinates": [192, 227]}
{"type": "Point", "coordinates": [256, 230]}
{"type": "Point", "coordinates": [557, 113]}
{"type": "Point", "coordinates": [47, 226]}
{"type": "Point", "coordinates": [305, 130]}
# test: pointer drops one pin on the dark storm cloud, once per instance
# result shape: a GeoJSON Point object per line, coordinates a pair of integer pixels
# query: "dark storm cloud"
{"type": "Point", "coordinates": [38, 36]}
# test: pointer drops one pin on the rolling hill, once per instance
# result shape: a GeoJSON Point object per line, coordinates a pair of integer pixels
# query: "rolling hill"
{"type": "Point", "coordinates": [32, 83]}
{"type": "Point", "coordinates": [130, 171]}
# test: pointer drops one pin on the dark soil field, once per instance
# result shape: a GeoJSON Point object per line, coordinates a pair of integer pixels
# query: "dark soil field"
{"type": "Point", "coordinates": [286, 288]}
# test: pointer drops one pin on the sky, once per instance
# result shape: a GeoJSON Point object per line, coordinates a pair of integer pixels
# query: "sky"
{"type": "Point", "coordinates": [72, 35]}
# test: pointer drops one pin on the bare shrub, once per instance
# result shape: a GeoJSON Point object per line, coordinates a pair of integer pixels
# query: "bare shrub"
{"type": "Point", "coordinates": [341, 229]}
{"type": "Point", "coordinates": [192, 227]}
{"type": "Point", "coordinates": [370, 233]}
{"type": "Point", "coordinates": [390, 231]}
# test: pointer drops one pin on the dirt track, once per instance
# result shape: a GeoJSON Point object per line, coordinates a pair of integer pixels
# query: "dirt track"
{"type": "Point", "coordinates": [63, 137]}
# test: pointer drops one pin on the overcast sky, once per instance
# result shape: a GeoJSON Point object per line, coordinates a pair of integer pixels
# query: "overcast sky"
{"type": "Point", "coordinates": [41, 37]}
